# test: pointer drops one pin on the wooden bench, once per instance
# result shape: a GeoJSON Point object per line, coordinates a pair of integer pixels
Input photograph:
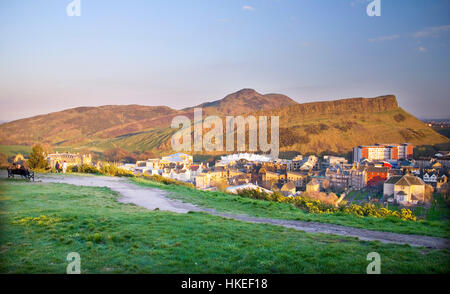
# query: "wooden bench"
{"type": "Point", "coordinates": [25, 173]}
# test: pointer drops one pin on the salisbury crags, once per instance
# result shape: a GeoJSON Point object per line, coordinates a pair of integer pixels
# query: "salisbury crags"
{"type": "Point", "coordinates": [308, 127]}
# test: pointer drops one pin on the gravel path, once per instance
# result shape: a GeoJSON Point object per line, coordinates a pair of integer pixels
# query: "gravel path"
{"type": "Point", "coordinates": [362, 234]}
{"type": "Point", "coordinates": [145, 197]}
{"type": "Point", "coordinates": [154, 198]}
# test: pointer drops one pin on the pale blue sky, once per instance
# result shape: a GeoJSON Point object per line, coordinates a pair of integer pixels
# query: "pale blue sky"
{"type": "Point", "coordinates": [184, 52]}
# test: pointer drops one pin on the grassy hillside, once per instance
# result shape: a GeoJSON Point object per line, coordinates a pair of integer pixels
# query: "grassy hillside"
{"type": "Point", "coordinates": [156, 139]}
{"type": "Point", "coordinates": [40, 227]}
{"type": "Point", "coordinates": [332, 126]}
{"type": "Point", "coordinates": [342, 131]}
{"type": "Point", "coordinates": [76, 126]}
{"type": "Point", "coordinates": [312, 128]}
{"type": "Point", "coordinates": [259, 208]}
{"type": "Point", "coordinates": [13, 150]}
{"type": "Point", "coordinates": [339, 125]}
{"type": "Point", "coordinates": [244, 101]}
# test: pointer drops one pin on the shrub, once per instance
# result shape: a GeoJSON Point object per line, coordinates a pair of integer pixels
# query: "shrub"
{"type": "Point", "coordinates": [312, 129]}
{"type": "Point", "coordinates": [96, 238]}
{"type": "Point", "coordinates": [85, 168]}
{"type": "Point", "coordinates": [330, 198]}
{"type": "Point", "coordinates": [344, 126]}
{"type": "Point", "coordinates": [112, 170]}
{"type": "Point", "coordinates": [121, 172]}
{"type": "Point", "coordinates": [399, 117]}
{"type": "Point", "coordinates": [323, 127]}
{"type": "Point", "coordinates": [37, 158]}
{"type": "Point", "coordinates": [311, 205]}
{"type": "Point", "coordinates": [167, 181]}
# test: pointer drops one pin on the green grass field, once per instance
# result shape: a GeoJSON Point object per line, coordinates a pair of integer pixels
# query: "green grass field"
{"type": "Point", "coordinates": [42, 223]}
{"type": "Point", "coordinates": [260, 208]}
{"type": "Point", "coordinates": [13, 150]}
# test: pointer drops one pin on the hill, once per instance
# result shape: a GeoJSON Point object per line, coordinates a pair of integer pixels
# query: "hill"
{"type": "Point", "coordinates": [318, 127]}
{"type": "Point", "coordinates": [339, 125]}
{"type": "Point", "coordinates": [79, 125]}
{"type": "Point", "coordinates": [331, 126]}
{"type": "Point", "coordinates": [244, 101]}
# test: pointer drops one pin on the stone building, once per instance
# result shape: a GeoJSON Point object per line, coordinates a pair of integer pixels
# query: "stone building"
{"type": "Point", "coordinates": [70, 158]}
{"type": "Point", "coordinates": [407, 189]}
{"type": "Point", "coordinates": [313, 186]}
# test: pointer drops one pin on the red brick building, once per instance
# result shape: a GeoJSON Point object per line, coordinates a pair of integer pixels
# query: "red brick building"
{"type": "Point", "coordinates": [376, 175]}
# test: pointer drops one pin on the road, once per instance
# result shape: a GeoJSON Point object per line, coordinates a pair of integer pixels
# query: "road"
{"type": "Point", "coordinates": [152, 198]}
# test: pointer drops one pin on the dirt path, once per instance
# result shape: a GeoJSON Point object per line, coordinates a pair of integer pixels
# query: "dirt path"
{"type": "Point", "coordinates": [145, 197]}
{"type": "Point", "coordinates": [362, 234]}
{"type": "Point", "coordinates": [154, 198]}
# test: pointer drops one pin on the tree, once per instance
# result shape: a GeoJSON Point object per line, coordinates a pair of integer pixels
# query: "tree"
{"type": "Point", "coordinates": [444, 190]}
{"type": "Point", "coordinates": [119, 155]}
{"type": "Point", "coordinates": [144, 155]}
{"type": "Point", "coordinates": [222, 186]}
{"type": "Point", "coordinates": [3, 160]}
{"type": "Point", "coordinates": [428, 195]}
{"type": "Point", "coordinates": [37, 158]}
{"type": "Point", "coordinates": [326, 185]}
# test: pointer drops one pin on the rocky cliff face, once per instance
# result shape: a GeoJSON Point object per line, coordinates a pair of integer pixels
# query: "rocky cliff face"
{"type": "Point", "coordinates": [310, 127]}
{"type": "Point", "coordinates": [351, 105]}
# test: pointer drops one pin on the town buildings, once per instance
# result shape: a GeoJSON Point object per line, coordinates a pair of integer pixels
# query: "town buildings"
{"type": "Point", "coordinates": [338, 178]}
{"type": "Point", "coordinates": [288, 189]}
{"type": "Point", "coordinates": [376, 175]}
{"type": "Point", "coordinates": [178, 159]}
{"type": "Point", "coordinates": [304, 164]}
{"type": "Point", "coordinates": [406, 189]}
{"type": "Point", "coordinates": [70, 158]}
{"type": "Point", "coordinates": [299, 179]}
{"type": "Point", "coordinates": [383, 152]}
{"type": "Point", "coordinates": [313, 186]}
{"type": "Point", "coordinates": [358, 177]}
{"type": "Point", "coordinates": [307, 173]}
{"type": "Point", "coordinates": [250, 186]}
{"type": "Point", "coordinates": [330, 161]}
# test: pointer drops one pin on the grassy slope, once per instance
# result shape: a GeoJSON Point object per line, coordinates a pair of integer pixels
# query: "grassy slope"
{"type": "Point", "coordinates": [333, 126]}
{"type": "Point", "coordinates": [239, 205]}
{"type": "Point", "coordinates": [12, 150]}
{"type": "Point", "coordinates": [367, 128]}
{"type": "Point", "coordinates": [147, 140]}
{"type": "Point", "coordinates": [114, 237]}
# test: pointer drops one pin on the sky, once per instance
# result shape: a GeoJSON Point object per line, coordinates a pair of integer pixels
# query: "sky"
{"type": "Point", "coordinates": [182, 53]}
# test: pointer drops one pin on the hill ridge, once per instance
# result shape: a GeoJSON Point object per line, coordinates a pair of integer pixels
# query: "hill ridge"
{"type": "Point", "coordinates": [335, 125]}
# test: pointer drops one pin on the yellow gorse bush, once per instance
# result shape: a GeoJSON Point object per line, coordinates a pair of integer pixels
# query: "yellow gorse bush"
{"type": "Point", "coordinates": [319, 207]}
{"type": "Point", "coordinates": [168, 181]}
{"type": "Point", "coordinates": [42, 220]}
{"type": "Point", "coordinates": [108, 170]}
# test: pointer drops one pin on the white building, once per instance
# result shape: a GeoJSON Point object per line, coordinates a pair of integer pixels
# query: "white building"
{"type": "Point", "coordinates": [305, 164]}
{"type": "Point", "coordinates": [430, 178]}
{"type": "Point", "coordinates": [178, 158]}
{"type": "Point", "coordinates": [232, 159]}
{"type": "Point", "coordinates": [406, 189]}
{"type": "Point", "coordinates": [249, 186]}
{"type": "Point", "coordinates": [329, 161]}
{"type": "Point", "coordinates": [183, 176]}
